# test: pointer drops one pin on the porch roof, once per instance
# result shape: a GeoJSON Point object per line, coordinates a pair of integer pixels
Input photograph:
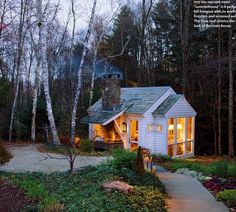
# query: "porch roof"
{"type": "Point", "coordinates": [165, 106]}
{"type": "Point", "coordinates": [103, 117]}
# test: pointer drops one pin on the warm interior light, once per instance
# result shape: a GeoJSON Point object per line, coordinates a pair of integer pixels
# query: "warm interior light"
{"type": "Point", "coordinates": [124, 127]}
{"type": "Point", "coordinates": [179, 126]}
{"type": "Point", "coordinates": [171, 127]}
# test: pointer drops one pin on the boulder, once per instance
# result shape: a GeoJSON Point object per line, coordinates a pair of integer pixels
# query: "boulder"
{"type": "Point", "coordinates": [118, 185]}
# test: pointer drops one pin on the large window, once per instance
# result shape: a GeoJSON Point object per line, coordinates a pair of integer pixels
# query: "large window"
{"type": "Point", "coordinates": [190, 128]}
{"type": "Point", "coordinates": [180, 129]}
{"type": "Point", "coordinates": [180, 136]}
{"type": "Point", "coordinates": [170, 131]}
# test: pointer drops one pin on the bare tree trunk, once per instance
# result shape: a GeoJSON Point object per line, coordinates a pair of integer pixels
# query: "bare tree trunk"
{"type": "Point", "coordinates": [219, 94]}
{"type": "Point", "coordinates": [18, 62]}
{"type": "Point", "coordinates": [37, 70]}
{"type": "Point", "coordinates": [79, 76]}
{"type": "Point", "coordinates": [43, 54]}
{"type": "Point", "coordinates": [230, 121]}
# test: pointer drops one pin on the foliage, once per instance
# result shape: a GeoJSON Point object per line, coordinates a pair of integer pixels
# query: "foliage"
{"type": "Point", "coordinates": [85, 145]}
{"type": "Point", "coordinates": [123, 159]}
{"type": "Point", "coordinates": [218, 168]}
{"type": "Point", "coordinates": [161, 158]}
{"type": "Point", "coordinates": [83, 191]}
{"type": "Point", "coordinates": [37, 191]}
{"type": "Point", "coordinates": [139, 165]}
{"type": "Point", "coordinates": [228, 196]}
{"type": "Point", "coordinates": [216, 185]}
{"type": "Point", "coordinates": [221, 168]}
{"type": "Point", "coordinates": [5, 156]}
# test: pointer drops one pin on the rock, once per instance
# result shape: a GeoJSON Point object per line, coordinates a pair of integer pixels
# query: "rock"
{"type": "Point", "coordinates": [182, 171]}
{"type": "Point", "coordinates": [118, 185]}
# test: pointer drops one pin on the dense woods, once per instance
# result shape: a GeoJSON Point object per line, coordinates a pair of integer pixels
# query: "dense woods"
{"type": "Point", "coordinates": [49, 69]}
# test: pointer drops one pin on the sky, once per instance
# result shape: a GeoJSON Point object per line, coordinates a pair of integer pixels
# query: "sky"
{"type": "Point", "coordinates": [83, 10]}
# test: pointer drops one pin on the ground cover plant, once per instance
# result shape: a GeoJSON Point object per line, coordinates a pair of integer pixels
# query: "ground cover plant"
{"type": "Point", "coordinates": [5, 156]}
{"type": "Point", "coordinates": [83, 191]}
{"type": "Point", "coordinates": [220, 167]}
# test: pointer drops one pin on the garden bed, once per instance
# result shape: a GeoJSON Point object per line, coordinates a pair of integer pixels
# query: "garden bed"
{"type": "Point", "coordinates": [83, 191]}
{"type": "Point", "coordinates": [220, 172]}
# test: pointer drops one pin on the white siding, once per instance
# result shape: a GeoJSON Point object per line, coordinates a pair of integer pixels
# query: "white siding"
{"type": "Point", "coordinates": [149, 138]}
{"type": "Point", "coordinates": [181, 109]}
{"type": "Point", "coordinates": [160, 138]}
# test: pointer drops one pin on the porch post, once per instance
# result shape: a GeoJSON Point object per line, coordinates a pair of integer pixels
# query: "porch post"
{"type": "Point", "coordinates": [193, 142]}
{"type": "Point", "coordinates": [185, 135]}
{"type": "Point", "coordinates": [128, 133]}
{"type": "Point", "coordinates": [175, 137]}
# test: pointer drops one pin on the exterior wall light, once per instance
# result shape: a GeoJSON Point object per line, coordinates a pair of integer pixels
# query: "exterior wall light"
{"type": "Point", "coordinates": [124, 127]}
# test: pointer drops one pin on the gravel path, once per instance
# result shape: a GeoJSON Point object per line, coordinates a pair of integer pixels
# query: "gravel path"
{"type": "Point", "coordinates": [28, 158]}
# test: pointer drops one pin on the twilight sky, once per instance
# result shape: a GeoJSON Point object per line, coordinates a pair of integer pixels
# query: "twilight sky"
{"type": "Point", "coordinates": [83, 10]}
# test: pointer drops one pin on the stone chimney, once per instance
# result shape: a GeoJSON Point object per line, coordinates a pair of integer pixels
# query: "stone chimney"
{"type": "Point", "coordinates": [111, 92]}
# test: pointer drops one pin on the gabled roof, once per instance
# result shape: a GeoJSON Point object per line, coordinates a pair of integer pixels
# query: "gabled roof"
{"type": "Point", "coordinates": [165, 106]}
{"type": "Point", "coordinates": [101, 116]}
{"type": "Point", "coordinates": [139, 99]}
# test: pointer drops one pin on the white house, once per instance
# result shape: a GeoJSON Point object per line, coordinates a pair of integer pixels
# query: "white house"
{"type": "Point", "coordinates": [152, 117]}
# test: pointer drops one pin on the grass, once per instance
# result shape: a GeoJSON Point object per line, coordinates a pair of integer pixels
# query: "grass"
{"type": "Point", "coordinates": [83, 191]}
{"type": "Point", "coordinates": [5, 156]}
{"type": "Point", "coordinates": [221, 167]}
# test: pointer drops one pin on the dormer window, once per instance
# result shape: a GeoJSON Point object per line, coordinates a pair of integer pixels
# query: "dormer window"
{"type": "Point", "coordinates": [150, 127]}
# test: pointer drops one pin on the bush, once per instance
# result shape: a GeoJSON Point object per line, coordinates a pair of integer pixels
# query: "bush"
{"type": "Point", "coordinates": [5, 156]}
{"type": "Point", "coordinates": [228, 196]}
{"type": "Point", "coordinates": [85, 145]}
{"type": "Point", "coordinates": [221, 168]}
{"type": "Point", "coordinates": [232, 170]}
{"type": "Point", "coordinates": [123, 159]}
{"type": "Point", "coordinates": [139, 166]}
{"type": "Point", "coordinates": [161, 158]}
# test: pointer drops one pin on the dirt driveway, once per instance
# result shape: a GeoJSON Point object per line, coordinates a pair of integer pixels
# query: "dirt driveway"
{"type": "Point", "coordinates": [28, 158]}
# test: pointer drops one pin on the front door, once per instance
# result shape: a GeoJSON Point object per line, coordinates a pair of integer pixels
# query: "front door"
{"type": "Point", "coordinates": [134, 134]}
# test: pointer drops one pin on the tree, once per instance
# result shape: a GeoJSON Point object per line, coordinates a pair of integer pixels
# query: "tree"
{"type": "Point", "coordinates": [79, 76]}
{"type": "Point", "coordinates": [231, 100]}
{"type": "Point", "coordinates": [43, 54]}
{"type": "Point", "coordinates": [20, 43]}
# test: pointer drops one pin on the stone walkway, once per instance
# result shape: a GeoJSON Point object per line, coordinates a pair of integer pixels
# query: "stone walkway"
{"type": "Point", "coordinates": [187, 194]}
{"type": "Point", "coordinates": [28, 158]}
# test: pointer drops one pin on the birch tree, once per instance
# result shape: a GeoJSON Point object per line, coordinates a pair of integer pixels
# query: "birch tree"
{"type": "Point", "coordinates": [79, 75]}
{"type": "Point", "coordinates": [20, 43]}
{"type": "Point", "coordinates": [43, 64]}
{"type": "Point", "coordinates": [37, 71]}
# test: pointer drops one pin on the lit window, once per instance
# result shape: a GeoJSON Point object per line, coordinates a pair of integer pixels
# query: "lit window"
{"type": "Point", "coordinates": [159, 127]}
{"type": "Point", "coordinates": [150, 127]}
{"type": "Point", "coordinates": [190, 128]}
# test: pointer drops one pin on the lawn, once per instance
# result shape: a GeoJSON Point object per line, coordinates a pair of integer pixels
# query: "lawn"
{"type": "Point", "coordinates": [83, 191]}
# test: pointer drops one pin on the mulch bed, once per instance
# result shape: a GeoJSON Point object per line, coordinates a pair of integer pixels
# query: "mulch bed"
{"type": "Point", "coordinates": [12, 198]}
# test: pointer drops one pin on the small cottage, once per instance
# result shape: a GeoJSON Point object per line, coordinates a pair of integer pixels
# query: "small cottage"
{"type": "Point", "coordinates": [151, 117]}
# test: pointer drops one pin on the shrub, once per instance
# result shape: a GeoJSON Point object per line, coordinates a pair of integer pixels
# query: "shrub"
{"type": "Point", "coordinates": [232, 170]}
{"type": "Point", "coordinates": [123, 159]}
{"type": "Point", "coordinates": [228, 196]}
{"type": "Point", "coordinates": [221, 168]}
{"type": "Point", "coordinates": [65, 140]}
{"type": "Point", "coordinates": [161, 158]}
{"type": "Point", "coordinates": [5, 156]}
{"type": "Point", "coordinates": [139, 166]}
{"type": "Point", "coordinates": [85, 145]}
